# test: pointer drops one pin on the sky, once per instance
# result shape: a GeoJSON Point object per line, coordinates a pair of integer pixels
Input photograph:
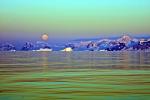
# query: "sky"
{"type": "Point", "coordinates": [69, 19]}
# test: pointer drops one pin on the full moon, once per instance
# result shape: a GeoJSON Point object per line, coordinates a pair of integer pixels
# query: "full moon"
{"type": "Point", "coordinates": [45, 36]}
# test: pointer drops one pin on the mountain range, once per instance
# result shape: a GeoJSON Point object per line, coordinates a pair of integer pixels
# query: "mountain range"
{"type": "Point", "coordinates": [125, 42]}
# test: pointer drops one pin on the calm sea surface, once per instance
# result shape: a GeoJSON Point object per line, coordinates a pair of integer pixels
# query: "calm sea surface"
{"type": "Point", "coordinates": [75, 75]}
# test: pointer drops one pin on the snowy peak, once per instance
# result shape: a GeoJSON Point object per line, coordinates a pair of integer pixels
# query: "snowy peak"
{"type": "Point", "coordinates": [125, 39]}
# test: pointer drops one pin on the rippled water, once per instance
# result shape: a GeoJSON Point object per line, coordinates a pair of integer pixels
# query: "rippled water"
{"type": "Point", "coordinates": [75, 75]}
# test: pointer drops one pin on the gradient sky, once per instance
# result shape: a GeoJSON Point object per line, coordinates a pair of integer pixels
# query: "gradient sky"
{"type": "Point", "coordinates": [63, 19]}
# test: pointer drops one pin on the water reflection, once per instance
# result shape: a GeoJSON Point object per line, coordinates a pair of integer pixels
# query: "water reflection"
{"type": "Point", "coordinates": [44, 60]}
{"type": "Point", "coordinates": [106, 60]}
{"type": "Point", "coordinates": [74, 75]}
{"type": "Point", "coordinates": [124, 60]}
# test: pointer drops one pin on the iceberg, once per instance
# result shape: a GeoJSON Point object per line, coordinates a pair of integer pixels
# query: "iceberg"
{"type": "Point", "coordinates": [41, 49]}
{"type": "Point", "coordinates": [68, 49]}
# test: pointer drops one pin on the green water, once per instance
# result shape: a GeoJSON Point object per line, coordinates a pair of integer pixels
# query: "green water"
{"type": "Point", "coordinates": [77, 76]}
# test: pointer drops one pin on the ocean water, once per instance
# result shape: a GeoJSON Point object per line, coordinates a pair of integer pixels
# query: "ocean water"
{"type": "Point", "coordinates": [75, 75]}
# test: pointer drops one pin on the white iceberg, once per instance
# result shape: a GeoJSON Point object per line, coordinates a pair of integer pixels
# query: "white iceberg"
{"type": "Point", "coordinates": [44, 49]}
{"type": "Point", "coordinates": [68, 49]}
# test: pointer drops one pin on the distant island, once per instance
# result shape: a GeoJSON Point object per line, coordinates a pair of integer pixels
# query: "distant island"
{"type": "Point", "coordinates": [124, 43]}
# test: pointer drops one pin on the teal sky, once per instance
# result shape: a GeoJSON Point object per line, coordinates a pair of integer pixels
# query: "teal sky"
{"type": "Point", "coordinates": [73, 18]}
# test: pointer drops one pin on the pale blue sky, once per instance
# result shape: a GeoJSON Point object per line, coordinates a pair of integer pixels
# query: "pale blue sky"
{"type": "Point", "coordinates": [63, 19]}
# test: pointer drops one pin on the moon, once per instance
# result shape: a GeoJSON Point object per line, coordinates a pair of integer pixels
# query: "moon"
{"type": "Point", "coordinates": [44, 37]}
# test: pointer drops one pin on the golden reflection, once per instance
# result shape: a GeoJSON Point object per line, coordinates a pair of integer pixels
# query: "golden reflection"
{"type": "Point", "coordinates": [45, 61]}
{"type": "Point", "coordinates": [68, 59]}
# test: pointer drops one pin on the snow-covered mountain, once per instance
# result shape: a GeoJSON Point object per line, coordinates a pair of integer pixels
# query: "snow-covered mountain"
{"type": "Point", "coordinates": [7, 47]}
{"type": "Point", "coordinates": [125, 42]}
{"type": "Point", "coordinates": [28, 46]}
